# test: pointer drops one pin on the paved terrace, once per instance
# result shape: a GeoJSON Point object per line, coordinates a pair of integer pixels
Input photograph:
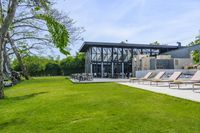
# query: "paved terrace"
{"type": "Point", "coordinates": [185, 91]}
{"type": "Point", "coordinates": [100, 80]}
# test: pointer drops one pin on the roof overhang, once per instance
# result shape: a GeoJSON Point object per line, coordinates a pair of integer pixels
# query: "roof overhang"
{"type": "Point", "coordinates": [86, 45]}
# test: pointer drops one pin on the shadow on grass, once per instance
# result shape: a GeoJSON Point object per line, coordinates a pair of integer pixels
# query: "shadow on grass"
{"type": "Point", "coordinates": [26, 96]}
{"type": "Point", "coordinates": [16, 121]}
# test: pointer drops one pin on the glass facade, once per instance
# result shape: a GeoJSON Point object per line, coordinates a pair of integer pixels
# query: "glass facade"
{"type": "Point", "coordinates": [107, 54]}
{"type": "Point", "coordinates": [155, 52]}
{"type": "Point", "coordinates": [127, 54]}
{"type": "Point", "coordinates": [146, 51]}
{"type": "Point", "coordinates": [119, 54]}
{"type": "Point", "coordinates": [113, 62]}
{"type": "Point", "coordinates": [96, 53]}
{"type": "Point", "coordinates": [115, 54]}
{"type": "Point", "coordinates": [96, 69]}
{"type": "Point", "coordinates": [107, 70]}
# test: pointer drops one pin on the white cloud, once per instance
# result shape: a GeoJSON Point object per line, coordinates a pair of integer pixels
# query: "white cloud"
{"type": "Point", "coordinates": [139, 21]}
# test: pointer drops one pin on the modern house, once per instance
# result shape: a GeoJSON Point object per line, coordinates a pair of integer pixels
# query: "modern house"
{"type": "Point", "coordinates": [114, 60]}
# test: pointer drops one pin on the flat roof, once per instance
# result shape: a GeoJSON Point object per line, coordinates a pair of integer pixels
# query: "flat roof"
{"type": "Point", "coordinates": [86, 45]}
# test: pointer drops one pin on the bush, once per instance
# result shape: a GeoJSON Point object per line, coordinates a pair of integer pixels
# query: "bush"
{"type": "Point", "coordinates": [195, 56]}
{"type": "Point", "coordinates": [75, 64]}
{"type": "Point", "coordinates": [41, 66]}
{"type": "Point", "coordinates": [53, 69]}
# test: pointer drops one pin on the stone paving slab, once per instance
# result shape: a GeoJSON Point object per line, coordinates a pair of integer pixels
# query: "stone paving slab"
{"type": "Point", "coordinates": [185, 91]}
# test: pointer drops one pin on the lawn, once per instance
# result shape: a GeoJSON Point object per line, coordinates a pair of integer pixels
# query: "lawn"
{"type": "Point", "coordinates": [54, 104]}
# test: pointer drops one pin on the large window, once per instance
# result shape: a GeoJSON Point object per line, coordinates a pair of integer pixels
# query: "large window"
{"type": "Point", "coordinates": [107, 70]}
{"type": "Point", "coordinates": [96, 53]}
{"type": "Point", "coordinates": [146, 51]}
{"type": "Point", "coordinates": [115, 54]}
{"type": "Point", "coordinates": [117, 70]}
{"type": "Point", "coordinates": [96, 69]}
{"type": "Point", "coordinates": [127, 54]}
{"type": "Point", "coordinates": [155, 51]}
{"type": "Point", "coordinates": [119, 51]}
{"type": "Point", "coordinates": [136, 51]}
{"type": "Point", "coordinates": [107, 54]}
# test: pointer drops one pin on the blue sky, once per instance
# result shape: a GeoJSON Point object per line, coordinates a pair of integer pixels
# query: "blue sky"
{"type": "Point", "coordinates": [138, 21]}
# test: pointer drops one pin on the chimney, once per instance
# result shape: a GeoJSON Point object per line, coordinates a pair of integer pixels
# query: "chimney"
{"type": "Point", "coordinates": [179, 44]}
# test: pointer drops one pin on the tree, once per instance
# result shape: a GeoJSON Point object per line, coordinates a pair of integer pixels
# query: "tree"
{"type": "Point", "coordinates": [155, 43]}
{"type": "Point", "coordinates": [72, 64]}
{"type": "Point", "coordinates": [53, 69]}
{"type": "Point", "coordinates": [196, 42]}
{"type": "Point", "coordinates": [41, 66]}
{"type": "Point", "coordinates": [5, 24]}
{"type": "Point", "coordinates": [195, 56]}
{"type": "Point", "coordinates": [35, 65]}
{"type": "Point", "coordinates": [58, 31]}
{"type": "Point", "coordinates": [25, 34]}
{"type": "Point", "coordinates": [19, 58]}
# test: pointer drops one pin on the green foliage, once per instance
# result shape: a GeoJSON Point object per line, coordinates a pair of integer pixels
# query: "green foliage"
{"type": "Point", "coordinates": [155, 43]}
{"type": "Point", "coordinates": [44, 4]}
{"type": "Point", "coordinates": [75, 64]}
{"type": "Point", "coordinates": [41, 3]}
{"type": "Point", "coordinates": [37, 8]}
{"type": "Point", "coordinates": [40, 66]}
{"type": "Point", "coordinates": [196, 42]}
{"type": "Point", "coordinates": [195, 56]}
{"type": "Point", "coordinates": [35, 65]}
{"type": "Point", "coordinates": [53, 69]}
{"type": "Point", "coordinates": [58, 31]}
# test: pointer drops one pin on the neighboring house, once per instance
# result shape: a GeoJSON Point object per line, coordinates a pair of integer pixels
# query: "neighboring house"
{"type": "Point", "coordinates": [184, 52]}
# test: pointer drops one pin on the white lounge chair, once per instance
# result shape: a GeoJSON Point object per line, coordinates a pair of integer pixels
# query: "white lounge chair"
{"type": "Point", "coordinates": [194, 80]}
{"type": "Point", "coordinates": [172, 78]}
{"type": "Point", "coordinates": [147, 76]}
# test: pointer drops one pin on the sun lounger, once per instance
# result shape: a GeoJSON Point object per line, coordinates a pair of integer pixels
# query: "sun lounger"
{"type": "Point", "coordinates": [172, 78]}
{"type": "Point", "coordinates": [157, 77]}
{"type": "Point", "coordinates": [195, 79]}
{"type": "Point", "coordinates": [144, 78]}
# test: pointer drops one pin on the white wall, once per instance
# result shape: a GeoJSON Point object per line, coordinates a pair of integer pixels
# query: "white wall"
{"type": "Point", "coordinates": [146, 63]}
{"type": "Point", "coordinates": [180, 63]}
{"type": "Point", "coordinates": [164, 57]}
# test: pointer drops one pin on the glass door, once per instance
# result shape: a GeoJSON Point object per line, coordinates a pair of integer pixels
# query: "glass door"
{"type": "Point", "coordinates": [96, 70]}
{"type": "Point", "coordinates": [107, 70]}
{"type": "Point", "coordinates": [117, 70]}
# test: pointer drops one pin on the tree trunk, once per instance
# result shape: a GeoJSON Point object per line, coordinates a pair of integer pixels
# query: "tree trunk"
{"type": "Point", "coordinates": [1, 72]}
{"type": "Point", "coordinates": [3, 31]}
{"type": "Point", "coordinates": [23, 68]}
{"type": "Point", "coordinates": [7, 66]}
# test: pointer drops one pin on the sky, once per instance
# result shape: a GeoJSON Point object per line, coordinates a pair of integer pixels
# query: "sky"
{"type": "Point", "coordinates": [138, 21]}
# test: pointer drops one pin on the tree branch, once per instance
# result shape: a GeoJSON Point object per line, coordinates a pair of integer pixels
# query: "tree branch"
{"type": "Point", "coordinates": [31, 26]}
{"type": "Point", "coordinates": [27, 18]}
{"type": "Point", "coordinates": [32, 38]}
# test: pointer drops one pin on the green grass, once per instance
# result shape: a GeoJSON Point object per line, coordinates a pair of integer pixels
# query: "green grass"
{"type": "Point", "coordinates": [56, 105]}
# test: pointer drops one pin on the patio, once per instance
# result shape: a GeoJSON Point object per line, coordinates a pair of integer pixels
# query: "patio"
{"type": "Point", "coordinates": [100, 80]}
{"type": "Point", "coordinates": [185, 91]}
